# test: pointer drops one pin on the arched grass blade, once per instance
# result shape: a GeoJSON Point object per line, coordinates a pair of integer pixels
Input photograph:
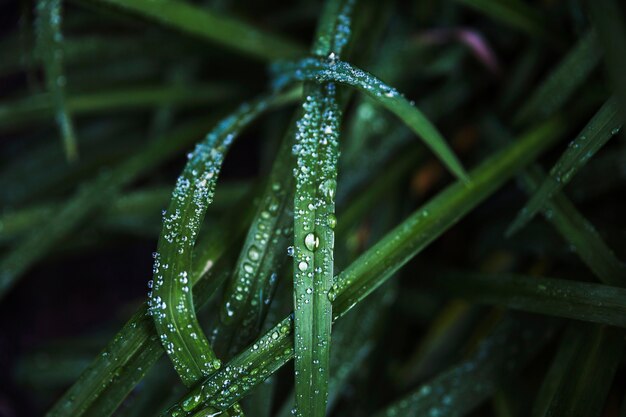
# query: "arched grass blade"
{"type": "Point", "coordinates": [374, 267]}
{"type": "Point", "coordinates": [341, 72]}
{"type": "Point", "coordinates": [576, 300]}
{"type": "Point", "coordinates": [558, 87]}
{"type": "Point", "coordinates": [605, 124]}
{"type": "Point", "coordinates": [457, 391]}
{"type": "Point", "coordinates": [171, 300]}
{"type": "Point", "coordinates": [49, 40]}
{"type": "Point", "coordinates": [223, 30]}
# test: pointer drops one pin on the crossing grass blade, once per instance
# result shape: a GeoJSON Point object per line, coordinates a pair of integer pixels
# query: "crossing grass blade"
{"type": "Point", "coordinates": [49, 40]}
{"type": "Point", "coordinates": [562, 81]}
{"type": "Point", "coordinates": [583, 301]}
{"type": "Point", "coordinates": [372, 269]}
{"type": "Point", "coordinates": [605, 124]}
{"type": "Point", "coordinates": [205, 24]}
{"type": "Point", "coordinates": [171, 300]}
{"type": "Point", "coordinates": [335, 70]}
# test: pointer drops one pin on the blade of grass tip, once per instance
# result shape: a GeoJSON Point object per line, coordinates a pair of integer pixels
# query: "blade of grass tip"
{"type": "Point", "coordinates": [335, 70]}
{"type": "Point", "coordinates": [317, 153]}
{"type": "Point", "coordinates": [516, 14]}
{"type": "Point", "coordinates": [608, 22]}
{"type": "Point", "coordinates": [499, 358]}
{"type": "Point", "coordinates": [562, 81]}
{"type": "Point", "coordinates": [605, 124]}
{"type": "Point", "coordinates": [585, 386]}
{"type": "Point", "coordinates": [223, 30]}
{"type": "Point", "coordinates": [583, 301]}
{"type": "Point", "coordinates": [251, 287]}
{"type": "Point", "coordinates": [373, 268]}
{"type": "Point", "coordinates": [49, 40]}
{"type": "Point", "coordinates": [126, 353]}
{"type": "Point", "coordinates": [171, 300]}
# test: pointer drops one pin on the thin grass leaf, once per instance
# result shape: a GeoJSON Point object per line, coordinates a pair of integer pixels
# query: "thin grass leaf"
{"type": "Point", "coordinates": [49, 40]}
{"type": "Point", "coordinates": [459, 390]}
{"type": "Point", "coordinates": [335, 70]}
{"type": "Point", "coordinates": [583, 301]}
{"type": "Point", "coordinates": [605, 124]}
{"type": "Point", "coordinates": [514, 13]}
{"type": "Point", "coordinates": [585, 384]}
{"type": "Point", "coordinates": [251, 288]}
{"type": "Point", "coordinates": [562, 81]}
{"type": "Point", "coordinates": [41, 107]}
{"type": "Point", "coordinates": [203, 23]}
{"type": "Point", "coordinates": [371, 270]}
{"type": "Point", "coordinates": [171, 300]}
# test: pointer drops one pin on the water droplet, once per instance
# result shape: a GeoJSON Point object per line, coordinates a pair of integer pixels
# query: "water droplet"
{"type": "Point", "coordinates": [302, 266]}
{"type": "Point", "coordinates": [253, 253]}
{"type": "Point", "coordinates": [311, 242]}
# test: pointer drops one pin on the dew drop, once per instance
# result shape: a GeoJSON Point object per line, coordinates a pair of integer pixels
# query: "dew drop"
{"type": "Point", "coordinates": [311, 241]}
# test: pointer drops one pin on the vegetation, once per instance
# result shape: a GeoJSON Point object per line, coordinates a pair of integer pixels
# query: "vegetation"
{"type": "Point", "coordinates": [355, 228]}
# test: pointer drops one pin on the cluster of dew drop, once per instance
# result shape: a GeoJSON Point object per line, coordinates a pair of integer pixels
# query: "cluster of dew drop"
{"type": "Point", "coordinates": [244, 372]}
{"type": "Point", "coordinates": [170, 300]}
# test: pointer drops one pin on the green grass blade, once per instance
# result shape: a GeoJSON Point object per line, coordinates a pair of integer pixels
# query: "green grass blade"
{"type": "Point", "coordinates": [126, 353]}
{"type": "Point", "coordinates": [171, 300]}
{"type": "Point", "coordinates": [49, 40]}
{"type": "Point", "coordinates": [41, 107]}
{"type": "Point", "coordinates": [223, 30]}
{"type": "Point", "coordinates": [459, 390]}
{"type": "Point", "coordinates": [587, 379]}
{"type": "Point", "coordinates": [583, 301]}
{"type": "Point", "coordinates": [562, 81]}
{"type": "Point", "coordinates": [605, 124]}
{"type": "Point", "coordinates": [246, 298]}
{"type": "Point", "coordinates": [373, 268]}
{"type": "Point", "coordinates": [334, 70]}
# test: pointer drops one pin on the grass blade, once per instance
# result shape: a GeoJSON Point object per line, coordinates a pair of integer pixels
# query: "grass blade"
{"type": "Point", "coordinates": [334, 70]}
{"type": "Point", "coordinates": [49, 40]}
{"type": "Point", "coordinates": [605, 124]}
{"type": "Point", "coordinates": [171, 300]}
{"type": "Point", "coordinates": [583, 301]}
{"type": "Point", "coordinates": [223, 30]}
{"type": "Point", "coordinates": [558, 87]}
{"type": "Point", "coordinates": [372, 269]}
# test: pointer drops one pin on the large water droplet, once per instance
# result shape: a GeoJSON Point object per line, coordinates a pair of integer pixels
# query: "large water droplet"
{"type": "Point", "coordinates": [311, 242]}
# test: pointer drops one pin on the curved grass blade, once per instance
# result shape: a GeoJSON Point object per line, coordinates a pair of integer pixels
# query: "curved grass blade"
{"type": "Point", "coordinates": [585, 383]}
{"type": "Point", "coordinates": [171, 300]}
{"type": "Point", "coordinates": [459, 390]}
{"type": "Point", "coordinates": [209, 25]}
{"type": "Point", "coordinates": [49, 40]}
{"type": "Point", "coordinates": [136, 347]}
{"type": "Point", "coordinates": [605, 124]}
{"type": "Point", "coordinates": [583, 301]}
{"type": "Point", "coordinates": [573, 70]}
{"type": "Point", "coordinates": [334, 70]}
{"type": "Point", "coordinates": [372, 269]}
